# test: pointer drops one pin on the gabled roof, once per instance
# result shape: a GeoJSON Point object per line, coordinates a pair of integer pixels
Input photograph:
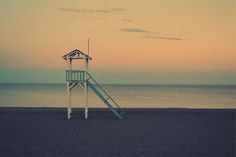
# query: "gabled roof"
{"type": "Point", "coordinates": [76, 54]}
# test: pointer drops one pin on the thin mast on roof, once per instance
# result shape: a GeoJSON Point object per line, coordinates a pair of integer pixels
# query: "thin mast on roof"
{"type": "Point", "coordinates": [88, 46]}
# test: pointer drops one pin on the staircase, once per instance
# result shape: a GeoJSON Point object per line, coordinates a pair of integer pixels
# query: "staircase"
{"type": "Point", "coordinates": [104, 96]}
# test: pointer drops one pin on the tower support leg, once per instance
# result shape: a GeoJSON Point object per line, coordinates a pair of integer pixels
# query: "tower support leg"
{"type": "Point", "coordinates": [86, 99]}
{"type": "Point", "coordinates": [69, 101]}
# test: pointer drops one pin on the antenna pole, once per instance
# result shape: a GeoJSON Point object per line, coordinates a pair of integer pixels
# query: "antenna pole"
{"type": "Point", "coordinates": [88, 46]}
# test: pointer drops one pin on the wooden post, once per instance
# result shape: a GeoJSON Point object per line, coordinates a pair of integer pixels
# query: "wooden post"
{"type": "Point", "coordinates": [69, 90]}
{"type": "Point", "coordinates": [86, 87]}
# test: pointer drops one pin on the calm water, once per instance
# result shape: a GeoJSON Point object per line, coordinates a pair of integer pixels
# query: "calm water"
{"type": "Point", "coordinates": [128, 96]}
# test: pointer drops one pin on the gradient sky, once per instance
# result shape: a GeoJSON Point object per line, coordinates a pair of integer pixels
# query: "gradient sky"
{"type": "Point", "coordinates": [134, 41]}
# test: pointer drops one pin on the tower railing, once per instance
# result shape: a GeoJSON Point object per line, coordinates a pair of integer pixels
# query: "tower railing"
{"type": "Point", "coordinates": [75, 75]}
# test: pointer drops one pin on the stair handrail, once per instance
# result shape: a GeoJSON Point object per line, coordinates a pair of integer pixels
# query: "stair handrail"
{"type": "Point", "coordinates": [104, 91]}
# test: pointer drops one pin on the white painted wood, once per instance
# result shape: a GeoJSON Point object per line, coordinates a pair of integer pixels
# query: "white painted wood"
{"type": "Point", "coordinates": [86, 87]}
{"type": "Point", "coordinates": [69, 102]}
{"type": "Point", "coordinates": [76, 54]}
{"type": "Point", "coordinates": [69, 110]}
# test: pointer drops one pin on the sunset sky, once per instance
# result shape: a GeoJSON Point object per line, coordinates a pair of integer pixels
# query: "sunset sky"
{"type": "Point", "coordinates": [132, 41]}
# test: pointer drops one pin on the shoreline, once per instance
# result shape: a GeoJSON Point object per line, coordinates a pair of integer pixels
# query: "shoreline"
{"type": "Point", "coordinates": [104, 108]}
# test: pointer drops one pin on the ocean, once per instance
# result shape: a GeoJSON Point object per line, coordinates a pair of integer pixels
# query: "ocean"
{"type": "Point", "coordinates": [127, 96]}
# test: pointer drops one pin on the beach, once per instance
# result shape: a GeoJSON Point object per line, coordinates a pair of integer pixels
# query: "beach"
{"type": "Point", "coordinates": [143, 132]}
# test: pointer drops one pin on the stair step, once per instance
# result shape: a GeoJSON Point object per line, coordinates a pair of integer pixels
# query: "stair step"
{"type": "Point", "coordinates": [108, 98]}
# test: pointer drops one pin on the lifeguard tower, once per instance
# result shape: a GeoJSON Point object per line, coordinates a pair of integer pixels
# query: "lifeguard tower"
{"type": "Point", "coordinates": [82, 78]}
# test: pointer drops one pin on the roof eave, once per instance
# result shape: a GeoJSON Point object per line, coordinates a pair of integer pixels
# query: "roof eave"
{"type": "Point", "coordinates": [76, 51]}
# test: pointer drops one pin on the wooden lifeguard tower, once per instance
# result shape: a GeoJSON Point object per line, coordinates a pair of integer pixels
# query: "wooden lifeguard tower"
{"type": "Point", "coordinates": [82, 78]}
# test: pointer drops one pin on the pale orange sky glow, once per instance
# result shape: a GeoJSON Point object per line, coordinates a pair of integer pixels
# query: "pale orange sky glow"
{"type": "Point", "coordinates": [131, 36]}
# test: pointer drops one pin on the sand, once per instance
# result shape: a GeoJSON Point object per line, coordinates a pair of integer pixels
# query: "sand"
{"type": "Point", "coordinates": [39, 132]}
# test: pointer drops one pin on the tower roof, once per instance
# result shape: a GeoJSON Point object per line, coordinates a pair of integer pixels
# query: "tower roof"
{"type": "Point", "coordinates": [76, 54]}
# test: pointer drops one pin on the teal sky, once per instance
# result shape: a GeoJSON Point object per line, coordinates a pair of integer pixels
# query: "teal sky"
{"type": "Point", "coordinates": [122, 77]}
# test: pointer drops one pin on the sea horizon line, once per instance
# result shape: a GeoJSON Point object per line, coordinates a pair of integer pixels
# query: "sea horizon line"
{"type": "Point", "coordinates": [115, 84]}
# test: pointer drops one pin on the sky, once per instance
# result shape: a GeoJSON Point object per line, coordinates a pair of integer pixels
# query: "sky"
{"type": "Point", "coordinates": [131, 41]}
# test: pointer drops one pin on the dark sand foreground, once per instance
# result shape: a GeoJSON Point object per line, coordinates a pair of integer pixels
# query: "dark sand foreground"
{"type": "Point", "coordinates": [32, 132]}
